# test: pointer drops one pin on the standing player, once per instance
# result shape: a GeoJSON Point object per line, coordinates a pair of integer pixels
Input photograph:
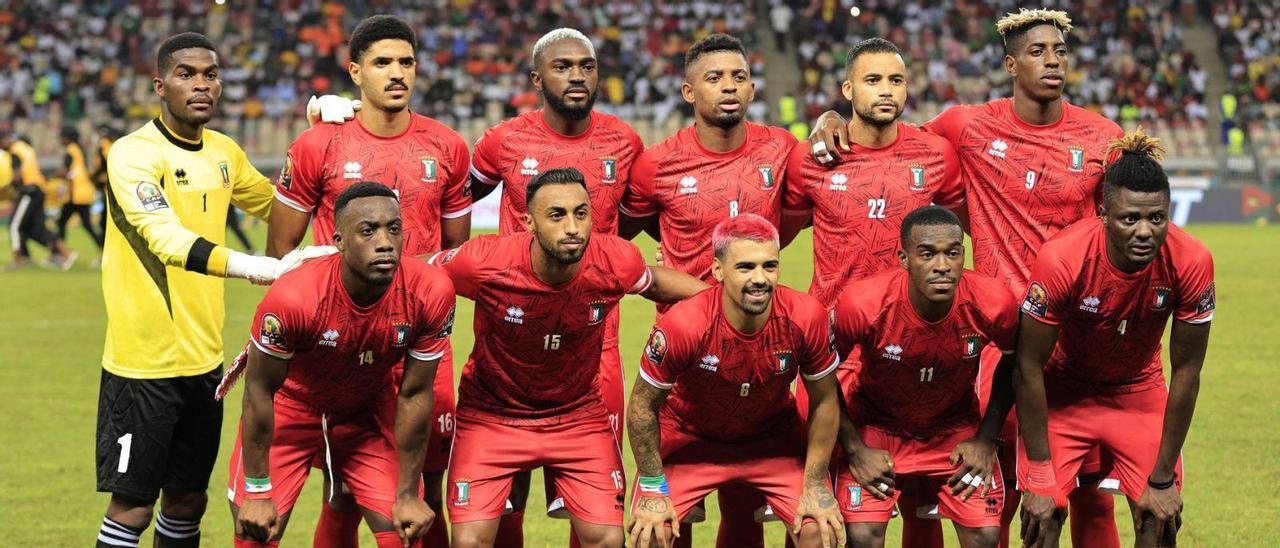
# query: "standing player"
{"type": "Point", "coordinates": [170, 184]}
{"type": "Point", "coordinates": [713, 406]}
{"type": "Point", "coordinates": [27, 222]}
{"type": "Point", "coordinates": [530, 394]}
{"type": "Point", "coordinates": [1089, 369]}
{"type": "Point", "coordinates": [566, 132]}
{"type": "Point", "coordinates": [319, 383]}
{"type": "Point", "coordinates": [76, 173]}
{"type": "Point", "coordinates": [719, 167]}
{"type": "Point", "coordinates": [1032, 164]}
{"type": "Point", "coordinates": [425, 163]}
{"type": "Point", "coordinates": [916, 333]}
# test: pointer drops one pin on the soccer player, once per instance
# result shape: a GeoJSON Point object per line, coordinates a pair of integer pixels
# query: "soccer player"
{"type": "Point", "coordinates": [1089, 370]}
{"type": "Point", "coordinates": [1032, 164]}
{"type": "Point", "coordinates": [530, 393]}
{"type": "Point", "coordinates": [425, 163]}
{"type": "Point", "coordinates": [170, 184]}
{"type": "Point", "coordinates": [27, 222]}
{"type": "Point", "coordinates": [107, 136]}
{"type": "Point", "coordinates": [76, 173]}
{"type": "Point", "coordinates": [713, 406]}
{"type": "Point", "coordinates": [719, 167]}
{"type": "Point", "coordinates": [319, 382]}
{"type": "Point", "coordinates": [915, 334]}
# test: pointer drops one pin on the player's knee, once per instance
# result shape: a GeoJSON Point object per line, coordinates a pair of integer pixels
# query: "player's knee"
{"type": "Point", "coordinates": [189, 505]}
{"type": "Point", "coordinates": [474, 534]}
{"type": "Point", "coordinates": [129, 511]}
{"type": "Point", "coordinates": [979, 537]}
{"type": "Point", "coordinates": [599, 536]}
{"type": "Point", "coordinates": [866, 535]}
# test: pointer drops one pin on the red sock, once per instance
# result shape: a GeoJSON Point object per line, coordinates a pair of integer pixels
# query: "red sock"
{"type": "Point", "coordinates": [918, 532]}
{"type": "Point", "coordinates": [1011, 499]}
{"type": "Point", "coordinates": [337, 529]}
{"type": "Point", "coordinates": [738, 527]}
{"type": "Point", "coordinates": [438, 535]}
{"type": "Point", "coordinates": [1093, 519]}
{"type": "Point", "coordinates": [242, 543]}
{"type": "Point", "coordinates": [510, 531]}
{"type": "Point", "coordinates": [391, 539]}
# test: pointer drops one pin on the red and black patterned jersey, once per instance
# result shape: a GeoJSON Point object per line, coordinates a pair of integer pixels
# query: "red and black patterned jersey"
{"type": "Point", "coordinates": [517, 150]}
{"type": "Point", "coordinates": [537, 350]}
{"type": "Point", "coordinates": [858, 205]}
{"type": "Point", "coordinates": [914, 377]}
{"type": "Point", "coordinates": [732, 386]}
{"type": "Point", "coordinates": [1110, 322]}
{"type": "Point", "coordinates": [426, 166]}
{"type": "Point", "coordinates": [1024, 183]}
{"type": "Point", "coordinates": [340, 354]}
{"type": "Point", "coordinates": [692, 189]}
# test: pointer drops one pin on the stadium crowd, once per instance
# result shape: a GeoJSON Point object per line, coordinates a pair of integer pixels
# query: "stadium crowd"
{"type": "Point", "coordinates": [1249, 42]}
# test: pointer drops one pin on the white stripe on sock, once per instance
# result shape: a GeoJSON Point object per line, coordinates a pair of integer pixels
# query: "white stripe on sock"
{"type": "Point", "coordinates": [116, 542]}
{"type": "Point", "coordinates": [116, 529]}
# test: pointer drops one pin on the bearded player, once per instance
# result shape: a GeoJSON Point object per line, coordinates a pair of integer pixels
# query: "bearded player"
{"type": "Point", "coordinates": [530, 394]}
{"type": "Point", "coordinates": [425, 163]}
{"type": "Point", "coordinates": [713, 406]}
{"type": "Point", "coordinates": [915, 334]}
{"type": "Point", "coordinates": [1032, 165]}
{"type": "Point", "coordinates": [319, 383]}
{"type": "Point", "coordinates": [719, 167]}
{"type": "Point", "coordinates": [1089, 371]}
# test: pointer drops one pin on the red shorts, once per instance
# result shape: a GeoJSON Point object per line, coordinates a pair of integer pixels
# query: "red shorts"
{"type": "Point", "coordinates": [580, 455]}
{"type": "Point", "coordinates": [922, 467]}
{"type": "Point", "coordinates": [361, 449]}
{"type": "Point", "coordinates": [1127, 427]}
{"type": "Point", "coordinates": [613, 388]}
{"type": "Point", "coordinates": [696, 466]}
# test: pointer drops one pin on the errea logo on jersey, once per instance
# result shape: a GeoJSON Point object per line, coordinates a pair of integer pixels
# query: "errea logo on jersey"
{"type": "Point", "coordinates": [838, 182]}
{"type": "Point", "coordinates": [329, 338]}
{"type": "Point", "coordinates": [710, 362]}
{"type": "Point", "coordinates": [998, 147]}
{"type": "Point", "coordinates": [688, 185]}
{"type": "Point", "coordinates": [351, 170]}
{"type": "Point", "coordinates": [1090, 304]}
{"type": "Point", "coordinates": [893, 352]}
{"type": "Point", "coordinates": [515, 314]}
{"type": "Point", "coordinates": [529, 166]}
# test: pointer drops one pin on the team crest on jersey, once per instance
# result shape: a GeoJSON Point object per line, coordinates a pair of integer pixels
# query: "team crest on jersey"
{"type": "Point", "coordinates": [784, 362]}
{"type": "Point", "coordinates": [917, 177]}
{"type": "Point", "coordinates": [226, 174]}
{"type": "Point", "coordinates": [595, 312]}
{"type": "Point", "coordinates": [272, 333]}
{"type": "Point", "coordinates": [608, 171]}
{"type": "Point", "coordinates": [180, 177]}
{"type": "Point", "coordinates": [286, 173]}
{"type": "Point", "coordinates": [428, 170]}
{"type": "Point", "coordinates": [766, 176]}
{"type": "Point", "coordinates": [1160, 298]}
{"type": "Point", "coordinates": [972, 345]}
{"type": "Point", "coordinates": [1206, 301]}
{"type": "Point", "coordinates": [1077, 158]}
{"type": "Point", "coordinates": [656, 348]}
{"type": "Point", "coordinates": [855, 497]}
{"type": "Point", "coordinates": [461, 492]}
{"type": "Point", "coordinates": [151, 197]}
{"type": "Point", "coordinates": [400, 333]}
{"type": "Point", "coordinates": [351, 170]}
{"type": "Point", "coordinates": [1037, 302]}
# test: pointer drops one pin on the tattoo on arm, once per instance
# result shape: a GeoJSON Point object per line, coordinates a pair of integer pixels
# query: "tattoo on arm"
{"type": "Point", "coordinates": [642, 424]}
{"type": "Point", "coordinates": [656, 505]}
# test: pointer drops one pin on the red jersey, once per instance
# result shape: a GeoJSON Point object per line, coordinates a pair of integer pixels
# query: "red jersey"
{"type": "Point", "coordinates": [858, 205]}
{"type": "Point", "coordinates": [537, 349]}
{"type": "Point", "coordinates": [691, 189]}
{"type": "Point", "coordinates": [340, 354]}
{"type": "Point", "coordinates": [517, 150]}
{"type": "Point", "coordinates": [426, 166]}
{"type": "Point", "coordinates": [734, 386]}
{"type": "Point", "coordinates": [1110, 322]}
{"type": "Point", "coordinates": [913, 377]}
{"type": "Point", "coordinates": [1023, 182]}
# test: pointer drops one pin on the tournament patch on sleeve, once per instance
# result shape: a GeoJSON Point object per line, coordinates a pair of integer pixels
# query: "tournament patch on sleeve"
{"type": "Point", "coordinates": [1037, 302]}
{"type": "Point", "coordinates": [1207, 300]}
{"type": "Point", "coordinates": [272, 333]}
{"type": "Point", "coordinates": [656, 349]}
{"type": "Point", "coordinates": [151, 197]}
{"type": "Point", "coordinates": [448, 325]}
{"type": "Point", "coordinates": [286, 173]}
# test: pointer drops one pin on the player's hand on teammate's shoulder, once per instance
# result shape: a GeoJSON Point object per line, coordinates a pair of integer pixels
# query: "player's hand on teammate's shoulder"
{"type": "Point", "coordinates": [653, 522]}
{"type": "Point", "coordinates": [331, 109]}
{"type": "Point", "coordinates": [412, 518]}
{"type": "Point", "coordinates": [817, 503]}
{"type": "Point", "coordinates": [257, 520]}
{"type": "Point", "coordinates": [873, 469]}
{"type": "Point", "coordinates": [975, 461]}
{"type": "Point", "coordinates": [830, 136]}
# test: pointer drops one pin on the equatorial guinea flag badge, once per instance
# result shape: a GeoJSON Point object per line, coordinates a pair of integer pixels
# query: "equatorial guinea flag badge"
{"type": "Point", "coordinates": [1077, 158]}
{"type": "Point", "coordinates": [917, 177]}
{"type": "Point", "coordinates": [766, 176]}
{"type": "Point", "coordinates": [609, 170]}
{"type": "Point", "coordinates": [428, 170]}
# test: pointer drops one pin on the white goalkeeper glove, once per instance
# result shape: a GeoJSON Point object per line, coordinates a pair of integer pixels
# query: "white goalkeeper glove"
{"type": "Point", "coordinates": [331, 109]}
{"type": "Point", "coordinates": [258, 270]}
{"type": "Point", "coordinates": [294, 259]}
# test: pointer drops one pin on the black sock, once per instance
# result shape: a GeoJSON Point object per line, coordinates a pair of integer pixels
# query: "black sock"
{"type": "Point", "coordinates": [176, 533]}
{"type": "Point", "coordinates": [115, 535]}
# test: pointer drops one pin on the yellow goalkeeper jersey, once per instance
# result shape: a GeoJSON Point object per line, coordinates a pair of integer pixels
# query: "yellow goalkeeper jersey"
{"type": "Point", "coordinates": [164, 255]}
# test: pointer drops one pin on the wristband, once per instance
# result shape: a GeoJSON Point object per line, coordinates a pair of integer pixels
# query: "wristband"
{"type": "Point", "coordinates": [1038, 478]}
{"type": "Point", "coordinates": [257, 486]}
{"type": "Point", "coordinates": [654, 486]}
{"type": "Point", "coordinates": [1163, 484]}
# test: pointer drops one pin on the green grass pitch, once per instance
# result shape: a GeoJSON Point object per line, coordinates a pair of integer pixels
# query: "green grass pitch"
{"type": "Point", "coordinates": [51, 333]}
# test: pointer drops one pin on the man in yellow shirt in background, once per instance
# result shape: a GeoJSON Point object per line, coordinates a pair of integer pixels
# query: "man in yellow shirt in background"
{"type": "Point", "coordinates": [28, 219]}
{"type": "Point", "coordinates": [80, 192]}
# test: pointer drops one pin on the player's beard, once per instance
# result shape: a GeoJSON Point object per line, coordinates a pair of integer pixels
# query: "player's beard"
{"type": "Point", "coordinates": [755, 309]}
{"type": "Point", "coordinates": [557, 104]}
{"type": "Point", "coordinates": [564, 257]}
{"type": "Point", "coordinates": [873, 118]}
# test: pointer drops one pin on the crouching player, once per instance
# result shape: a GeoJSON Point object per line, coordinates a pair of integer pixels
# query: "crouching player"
{"type": "Point", "coordinates": [713, 404]}
{"type": "Point", "coordinates": [319, 380]}
{"type": "Point", "coordinates": [913, 424]}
